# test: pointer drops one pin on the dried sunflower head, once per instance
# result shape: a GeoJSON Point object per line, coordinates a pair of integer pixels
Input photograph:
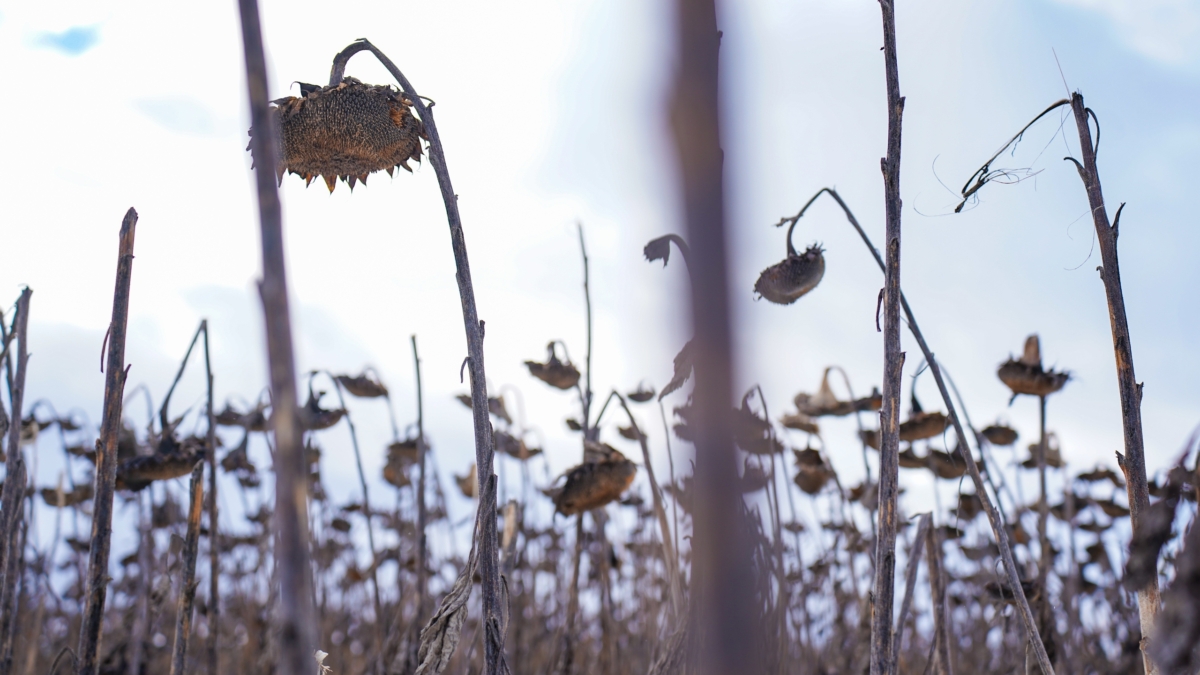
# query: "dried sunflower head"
{"type": "Point", "coordinates": [786, 282]}
{"type": "Point", "coordinates": [1026, 375]}
{"type": "Point", "coordinates": [595, 483]}
{"type": "Point", "coordinates": [348, 131]}
{"type": "Point", "coordinates": [556, 373]}
{"type": "Point", "coordinates": [923, 425]}
{"type": "Point", "coordinates": [1000, 434]}
{"type": "Point", "coordinates": [366, 385]}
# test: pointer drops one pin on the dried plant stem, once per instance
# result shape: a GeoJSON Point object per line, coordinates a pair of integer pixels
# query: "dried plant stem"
{"type": "Point", "coordinates": [941, 610]}
{"type": "Point", "coordinates": [145, 581]}
{"type": "Point", "coordinates": [489, 566]}
{"type": "Point", "coordinates": [1045, 612]}
{"type": "Point", "coordinates": [999, 530]}
{"type": "Point", "coordinates": [1134, 463]}
{"type": "Point", "coordinates": [366, 495]}
{"type": "Point", "coordinates": [726, 624]}
{"type": "Point", "coordinates": [187, 585]}
{"type": "Point", "coordinates": [889, 420]}
{"type": "Point", "coordinates": [910, 581]}
{"type": "Point", "coordinates": [214, 549]}
{"type": "Point", "coordinates": [12, 510]}
{"type": "Point", "coordinates": [672, 562]}
{"type": "Point", "coordinates": [422, 512]}
{"type": "Point", "coordinates": [296, 618]}
{"type": "Point", "coordinates": [106, 456]}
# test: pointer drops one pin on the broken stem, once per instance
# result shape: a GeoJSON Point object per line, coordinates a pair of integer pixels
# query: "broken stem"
{"type": "Point", "coordinates": [106, 456]}
{"type": "Point", "coordinates": [187, 585]}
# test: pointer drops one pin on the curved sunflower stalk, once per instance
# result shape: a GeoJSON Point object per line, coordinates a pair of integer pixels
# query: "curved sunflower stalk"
{"type": "Point", "coordinates": [994, 517]}
{"type": "Point", "coordinates": [489, 569]}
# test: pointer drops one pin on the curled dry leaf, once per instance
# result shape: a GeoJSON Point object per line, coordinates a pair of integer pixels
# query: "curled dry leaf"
{"type": "Point", "coordinates": [753, 433]}
{"type": "Point", "coordinates": [595, 483]}
{"type": "Point", "coordinates": [468, 483]}
{"type": "Point", "coordinates": [366, 385]}
{"type": "Point", "coordinates": [556, 373]}
{"type": "Point", "coordinates": [813, 472]}
{"type": "Point", "coordinates": [1000, 434]}
{"type": "Point", "coordinates": [439, 637]}
{"type": "Point", "coordinates": [786, 282]}
{"type": "Point", "coordinates": [683, 369]}
{"type": "Point", "coordinates": [1026, 375]}
{"type": "Point", "coordinates": [658, 249]}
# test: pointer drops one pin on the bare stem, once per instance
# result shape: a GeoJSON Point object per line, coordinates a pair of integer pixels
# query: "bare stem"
{"type": "Point", "coordinates": [12, 511]}
{"type": "Point", "coordinates": [1134, 464]}
{"type": "Point", "coordinates": [995, 519]}
{"type": "Point", "coordinates": [941, 610]}
{"type": "Point", "coordinates": [726, 624]}
{"type": "Point", "coordinates": [489, 566]}
{"type": "Point", "coordinates": [187, 585]}
{"type": "Point", "coordinates": [910, 582]}
{"type": "Point", "coordinates": [668, 550]}
{"type": "Point", "coordinates": [297, 621]}
{"type": "Point", "coordinates": [889, 421]}
{"type": "Point", "coordinates": [422, 513]}
{"type": "Point", "coordinates": [214, 549]}
{"type": "Point", "coordinates": [106, 455]}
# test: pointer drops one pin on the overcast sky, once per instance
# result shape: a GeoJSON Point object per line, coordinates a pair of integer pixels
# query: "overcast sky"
{"type": "Point", "coordinates": [553, 113]}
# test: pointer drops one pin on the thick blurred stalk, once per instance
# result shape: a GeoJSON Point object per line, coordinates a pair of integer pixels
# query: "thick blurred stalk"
{"type": "Point", "coordinates": [727, 623]}
{"type": "Point", "coordinates": [296, 618]}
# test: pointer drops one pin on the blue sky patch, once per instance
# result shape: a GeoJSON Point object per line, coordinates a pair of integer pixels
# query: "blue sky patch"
{"type": "Point", "coordinates": [72, 41]}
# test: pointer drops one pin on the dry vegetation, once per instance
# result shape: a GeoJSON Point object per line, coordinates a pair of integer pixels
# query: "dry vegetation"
{"type": "Point", "coordinates": [597, 572]}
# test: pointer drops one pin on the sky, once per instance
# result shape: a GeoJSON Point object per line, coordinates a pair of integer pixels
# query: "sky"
{"type": "Point", "coordinates": [553, 114]}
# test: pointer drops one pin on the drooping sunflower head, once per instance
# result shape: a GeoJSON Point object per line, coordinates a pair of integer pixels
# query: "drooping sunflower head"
{"type": "Point", "coordinates": [346, 131]}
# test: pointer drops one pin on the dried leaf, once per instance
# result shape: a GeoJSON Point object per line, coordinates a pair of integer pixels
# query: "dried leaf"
{"type": "Point", "coordinates": [683, 370]}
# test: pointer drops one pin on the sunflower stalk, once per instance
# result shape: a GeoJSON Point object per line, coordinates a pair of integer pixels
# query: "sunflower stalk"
{"type": "Point", "coordinates": [296, 621]}
{"type": "Point", "coordinates": [187, 585]}
{"type": "Point", "coordinates": [882, 635]}
{"type": "Point", "coordinates": [489, 566]}
{"type": "Point", "coordinates": [214, 557]}
{"type": "Point", "coordinates": [1134, 463]}
{"type": "Point", "coordinates": [12, 510]}
{"type": "Point", "coordinates": [106, 456]}
{"type": "Point", "coordinates": [726, 624]}
{"type": "Point", "coordinates": [995, 519]}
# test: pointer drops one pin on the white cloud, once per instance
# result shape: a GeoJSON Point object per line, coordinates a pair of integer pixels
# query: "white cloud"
{"type": "Point", "coordinates": [1165, 30]}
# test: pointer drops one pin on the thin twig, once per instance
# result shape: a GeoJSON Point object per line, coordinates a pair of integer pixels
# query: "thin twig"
{"type": "Point", "coordinates": [910, 582]}
{"type": "Point", "coordinates": [106, 456]}
{"type": "Point", "coordinates": [422, 513]}
{"type": "Point", "coordinates": [214, 550]}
